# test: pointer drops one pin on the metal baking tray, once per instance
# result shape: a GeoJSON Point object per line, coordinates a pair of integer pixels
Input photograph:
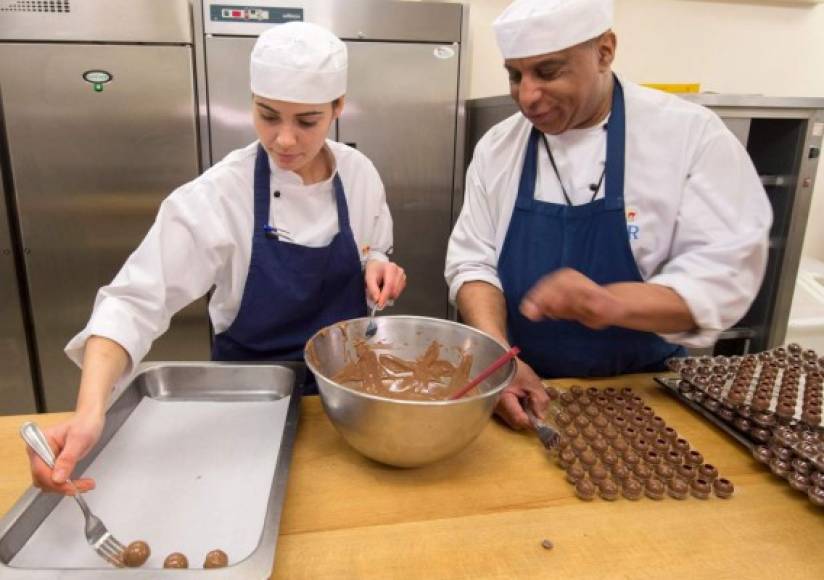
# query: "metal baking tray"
{"type": "Point", "coordinates": [670, 385]}
{"type": "Point", "coordinates": [251, 395]}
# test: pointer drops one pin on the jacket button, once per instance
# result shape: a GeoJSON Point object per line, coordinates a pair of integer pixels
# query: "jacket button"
{"type": "Point", "coordinates": [276, 194]}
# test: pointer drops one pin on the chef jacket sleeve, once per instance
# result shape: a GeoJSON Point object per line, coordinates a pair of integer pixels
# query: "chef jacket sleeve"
{"type": "Point", "coordinates": [471, 254]}
{"type": "Point", "coordinates": [175, 264]}
{"type": "Point", "coordinates": [381, 239]}
{"type": "Point", "coordinates": [720, 244]}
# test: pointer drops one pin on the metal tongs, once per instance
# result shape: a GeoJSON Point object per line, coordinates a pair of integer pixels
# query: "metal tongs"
{"type": "Point", "coordinates": [97, 535]}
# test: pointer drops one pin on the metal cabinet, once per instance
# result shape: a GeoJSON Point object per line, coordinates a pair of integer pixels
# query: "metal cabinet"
{"type": "Point", "coordinates": [16, 385]}
{"type": "Point", "coordinates": [100, 119]}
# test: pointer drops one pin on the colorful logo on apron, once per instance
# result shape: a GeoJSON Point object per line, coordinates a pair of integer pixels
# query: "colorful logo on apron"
{"type": "Point", "coordinates": [633, 229]}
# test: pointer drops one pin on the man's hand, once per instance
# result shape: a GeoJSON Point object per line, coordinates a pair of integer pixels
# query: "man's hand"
{"type": "Point", "coordinates": [525, 385]}
{"type": "Point", "coordinates": [569, 295]}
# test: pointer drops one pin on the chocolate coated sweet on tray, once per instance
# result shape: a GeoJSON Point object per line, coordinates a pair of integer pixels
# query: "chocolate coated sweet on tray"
{"type": "Point", "coordinates": [136, 554]}
{"type": "Point", "coordinates": [216, 559]}
{"type": "Point", "coordinates": [176, 560]}
{"type": "Point", "coordinates": [773, 398]}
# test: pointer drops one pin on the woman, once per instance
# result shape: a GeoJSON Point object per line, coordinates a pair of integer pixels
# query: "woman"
{"type": "Point", "coordinates": [286, 231]}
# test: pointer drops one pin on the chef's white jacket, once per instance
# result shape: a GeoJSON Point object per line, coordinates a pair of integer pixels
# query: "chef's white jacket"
{"type": "Point", "coordinates": [202, 237]}
{"type": "Point", "coordinates": [697, 215]}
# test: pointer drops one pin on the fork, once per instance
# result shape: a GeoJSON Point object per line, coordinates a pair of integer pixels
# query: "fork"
{"type": "Point", "coordinates": [548, 436]}
{"type": "Point", "coordinates": [99, 538]}
{"type": "Point", "coordinates": [372, 327]}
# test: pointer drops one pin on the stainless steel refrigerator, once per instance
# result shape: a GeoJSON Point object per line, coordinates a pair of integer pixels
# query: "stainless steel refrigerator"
{"type": "Point", "coordinates": [99, 117]}
{"type": "Point", "coordinates": [403, 109]}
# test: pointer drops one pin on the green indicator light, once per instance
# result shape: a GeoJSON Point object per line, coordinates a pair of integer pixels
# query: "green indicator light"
{"type": "Point", "coordinates": [98, 87]}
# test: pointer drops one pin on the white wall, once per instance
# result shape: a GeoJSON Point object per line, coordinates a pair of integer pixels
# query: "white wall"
{"type": "Point", "coordinates": [728, 47]}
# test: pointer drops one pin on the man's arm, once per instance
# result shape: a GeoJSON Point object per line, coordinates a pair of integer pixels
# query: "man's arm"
{"type": "Point", "coordinates": [482, 305]}
{"type": "Point", "coordinates": [569, 295]}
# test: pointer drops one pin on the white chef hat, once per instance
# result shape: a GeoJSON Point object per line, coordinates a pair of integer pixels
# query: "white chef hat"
{"type": "Point", "coordinates": [532, 27]}
{"type": "Point", "coordinates": [298, 62]}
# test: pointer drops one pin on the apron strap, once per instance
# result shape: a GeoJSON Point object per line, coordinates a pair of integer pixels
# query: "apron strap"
{"type": "Point", "coordinates": [616, 141]}
{"type": "Point", "coordinates": [262, 175]}
{"type": "Point", "coordinates": [340, 201]}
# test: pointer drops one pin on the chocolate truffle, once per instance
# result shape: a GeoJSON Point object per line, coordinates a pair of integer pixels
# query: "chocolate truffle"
{"type": "Point", "coordinates": [640, 445]}
{"type": "Point", "coordinates": [598, 473]}
{"type": "Point", "coordinates": [608, 490]}
{"type": "Point", "coordinates": [679, 489]}
{"type": "Point", "coordinates": [590, 432]}
{"type": "Point", "coordinates": [655, 488]}
{"type": "Point", "coordinates": [762, 453]}
{"type": "Point", "coordinates": [700, 488]}
{"type": "Point", "coordinates": [136, 554]}
{"type": "Point", "coordinates": [760, 434]}
{"type": "Point", "coordinates": [631, 458]}
{"type": "Point", "coordinates": [780, 467]}
{"type": "Point", "coordinates": [620, 472]}
{"type": "Point", "coordinates": [579, 445]}
{"type": "Point", "coordinates": [585, 490]}
{"type": "Point", "coordinates": [566, 458]}
{"type": "Point", "coordinates": [620, 445]}
{"type": "Point", "coordinates": [216, 559]}
{"type": "Point", "coordinates": [783, 453]}
{"type": "Point", "coordinates": [799, 481]}
{"type": "Point", "coordinates": [575, 473]}
{"type": "Point", "coordinates": [664, 471]}
{"type": "Point", "coordinates": [674, 457]}
{"type": "Point", "coordinates": [681, 445]}
{"type": "Point", "coordinates": [588, 457]}
{"type": "Point", "coordinates": [723, 488]}
{"type": "Point", "coordinates": [708, 472]}
{"type": "Point", "coordinates": [642, 471]}
{"type": "Point", "coordinates": [581, 422]}
{"type": "Point", "coordinates": [816, 495]}
{"type": "Point", "coordinates": [687, 471]}
{"type": "Point", "coordinates": [669, 433]}
{"type": "Point", "coordinates": [632, 489]}
{"type": "Point", "coordinates": [661, 446]}
{"type": "Point", "coordinates": [176, 560]}
{"type": "Point", "coordinates": [563, 419]}
{"type": "Point", "coordinates": [694, 457]}
{"type": "Point", "coordinates": [802, 466]}
{"type": "Point", "coordinates": [609, 457]}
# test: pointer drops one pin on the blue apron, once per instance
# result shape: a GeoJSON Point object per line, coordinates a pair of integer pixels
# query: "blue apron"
{"type": "Point", "coordinates": [292, 291]}
{"type": "Point", "coordinates": [591, 238]}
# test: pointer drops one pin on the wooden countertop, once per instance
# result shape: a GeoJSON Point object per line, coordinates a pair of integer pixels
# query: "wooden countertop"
{"type": "Point", "coordinates": [484, 512]}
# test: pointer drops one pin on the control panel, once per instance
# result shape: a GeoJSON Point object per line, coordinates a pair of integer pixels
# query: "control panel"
{"type": "Point", "coordinates": [256, 14]}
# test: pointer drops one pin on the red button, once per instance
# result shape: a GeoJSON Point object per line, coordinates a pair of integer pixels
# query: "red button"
{"type": "Point", "coordinates": [236, 13]}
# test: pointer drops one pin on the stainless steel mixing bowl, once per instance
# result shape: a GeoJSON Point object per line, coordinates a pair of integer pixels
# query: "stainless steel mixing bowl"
{"type": "Point", "coordinates": [399, 432]}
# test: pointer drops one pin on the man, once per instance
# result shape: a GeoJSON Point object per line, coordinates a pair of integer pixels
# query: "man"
{"type": "Point", "coordinates": [606, 226]}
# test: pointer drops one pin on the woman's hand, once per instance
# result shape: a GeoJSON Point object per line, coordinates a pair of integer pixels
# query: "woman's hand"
{"type": "Point", "coordinates": [70, 441]}
{"type": "Point", "coordinates": [384, 281]}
